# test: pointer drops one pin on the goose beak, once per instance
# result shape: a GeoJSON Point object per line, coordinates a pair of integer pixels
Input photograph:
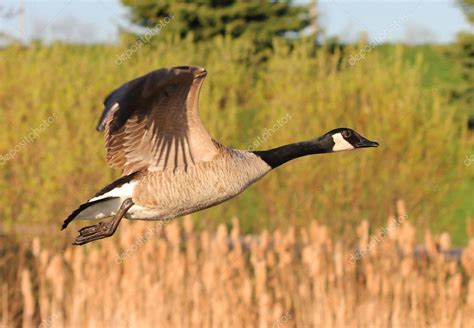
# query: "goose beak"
{"type": "Point", "coordinates": [366, 143]}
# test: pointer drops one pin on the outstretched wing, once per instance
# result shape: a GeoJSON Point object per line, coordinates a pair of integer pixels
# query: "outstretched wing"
{"type": "Point", "coordinates": [153, 122]}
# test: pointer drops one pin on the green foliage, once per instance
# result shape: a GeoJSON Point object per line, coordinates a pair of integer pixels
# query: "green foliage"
{"type": "Point", "coordinates": [438, 69]}
{"type": "Point", "coordinates": [463, 55]}
{"type": "Point", "coordinates": [467, 7]}
{"type": "Point", "coordinates": [420, 158]}
{"type": "Point", "coordinates": [464, 58]}
{"type": "Point", "coordinates": [206, 19]}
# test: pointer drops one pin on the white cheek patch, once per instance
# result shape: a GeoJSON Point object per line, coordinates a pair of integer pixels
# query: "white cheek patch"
{"type": "Point", "coordinates": [340, 143]}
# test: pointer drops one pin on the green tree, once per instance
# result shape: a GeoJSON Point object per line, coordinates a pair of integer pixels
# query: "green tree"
{"type": "Point", "coordinates": [205, 19]}
{"type": "Point", "coordinates": [464, 54]}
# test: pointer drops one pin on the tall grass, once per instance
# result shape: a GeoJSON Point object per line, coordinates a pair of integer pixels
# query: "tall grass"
{"type": "Point", "coordinates": [418, 160]}
{"type": "Point", "coordinates": [176, 276]}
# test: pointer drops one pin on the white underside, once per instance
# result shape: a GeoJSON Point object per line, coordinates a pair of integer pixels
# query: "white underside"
{"type": "Point", "coordinates": [100, 210]}
{"type": "Point", "coordinates": [137, 212]}
{"type": "Point", "coordinates": [108, 208]}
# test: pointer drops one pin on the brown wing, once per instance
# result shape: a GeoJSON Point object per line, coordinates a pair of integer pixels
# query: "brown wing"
{"type": "Point", "coordinates": [153, 122]}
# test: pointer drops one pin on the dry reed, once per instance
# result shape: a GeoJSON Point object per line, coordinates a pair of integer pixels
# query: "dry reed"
{"type": "Point", "coordinates": [184, 278]}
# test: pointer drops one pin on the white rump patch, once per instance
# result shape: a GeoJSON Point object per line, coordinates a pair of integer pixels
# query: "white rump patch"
{"type": "Point", "coordinates": [108, 208]}
{"type": "Point", "coordinates": [124, 191]}
{"type": "Point", "coordinates": [340, 143]}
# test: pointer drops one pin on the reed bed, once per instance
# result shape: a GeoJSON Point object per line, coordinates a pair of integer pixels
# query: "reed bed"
{"type": "Point", "coordinates": [51, 98]}
{"type": "Point", "coordinates": [170, 275]}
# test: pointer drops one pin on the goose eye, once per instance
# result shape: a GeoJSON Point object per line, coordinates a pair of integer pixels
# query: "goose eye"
{"type": "Point", "coordinates": [346, 134]}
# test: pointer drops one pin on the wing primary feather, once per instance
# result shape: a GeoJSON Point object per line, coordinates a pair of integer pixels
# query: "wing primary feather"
{"type": "Point", "coordinates": [103, 118]}
{"type": "Point", "coordinates": [149, 123]}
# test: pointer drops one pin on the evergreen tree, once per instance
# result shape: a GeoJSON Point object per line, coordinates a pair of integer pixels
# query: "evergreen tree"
{"type": "Point", "coordinates": [205, 19]}
{"type": "Point", "coordinates": [464, 55]}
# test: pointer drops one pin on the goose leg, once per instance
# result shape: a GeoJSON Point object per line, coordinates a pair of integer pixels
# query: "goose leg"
{"type": "Point", "coordinates": [103, 230]}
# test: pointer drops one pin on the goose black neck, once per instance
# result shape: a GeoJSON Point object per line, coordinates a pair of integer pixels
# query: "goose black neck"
{"type": "Point", "coordinates": [280, 155]}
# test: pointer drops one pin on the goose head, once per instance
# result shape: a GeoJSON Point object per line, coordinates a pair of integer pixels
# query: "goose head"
{"type": "Point", "coordinates": [336, 140]}
{"type": "Point", "coordinates": [342, 139]}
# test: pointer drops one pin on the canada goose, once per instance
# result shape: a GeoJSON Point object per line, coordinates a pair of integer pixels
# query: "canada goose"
{"type": "Point", "coordinates": [170, 164]}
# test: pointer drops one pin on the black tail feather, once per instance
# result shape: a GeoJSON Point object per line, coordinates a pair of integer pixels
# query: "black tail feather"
{"type": "Point", "coordinates": [81, 208]}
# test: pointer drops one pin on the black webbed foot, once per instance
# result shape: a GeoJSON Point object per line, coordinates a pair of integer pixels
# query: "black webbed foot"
{"type": "Point", "coordinates": [95, 232]}
{"type": "Point", "coordinates": [102, 229]}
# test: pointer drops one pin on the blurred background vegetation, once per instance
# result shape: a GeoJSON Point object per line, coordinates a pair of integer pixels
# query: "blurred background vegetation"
{"type": "Point", "coordinates": [264, 63]}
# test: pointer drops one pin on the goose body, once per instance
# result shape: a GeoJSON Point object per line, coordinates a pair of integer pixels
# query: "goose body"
{"type": "Point", "coordinates": [163, 196]}
{"type": "Point", "coordinates": [170, 165]}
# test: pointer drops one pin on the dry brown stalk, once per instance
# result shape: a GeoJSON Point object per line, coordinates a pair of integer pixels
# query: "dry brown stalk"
{"type": "Point", "coordinates": [181, 277]}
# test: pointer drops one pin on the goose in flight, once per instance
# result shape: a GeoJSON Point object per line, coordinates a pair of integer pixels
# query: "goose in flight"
{"type": "Point", "coordinates": [170, 164]}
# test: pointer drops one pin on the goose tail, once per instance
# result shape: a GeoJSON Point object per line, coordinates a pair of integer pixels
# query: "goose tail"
{"type": "Point", "coordinates": [95, 209]}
